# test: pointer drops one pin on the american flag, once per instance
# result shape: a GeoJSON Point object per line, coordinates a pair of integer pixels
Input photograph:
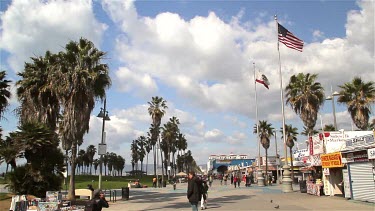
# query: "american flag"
{"type": "Point", "coordinates": [289, 39]}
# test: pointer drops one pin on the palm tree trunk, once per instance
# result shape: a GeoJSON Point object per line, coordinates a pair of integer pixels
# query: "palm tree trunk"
{"type": "Point", "coordinates": [141, 168]}
{"type": "Point", "coordinates": [147, 163]}
{"type": "Point", "coordinates": [154, 160]}
{"type": "Point", "coordinates": [291, 165]}
{"type": "Point", "coordinates": [71, 192]}
{"type": "Point", "coordinates": [169, 162]}
{"type": "Point", "coordinates": [266, 167]}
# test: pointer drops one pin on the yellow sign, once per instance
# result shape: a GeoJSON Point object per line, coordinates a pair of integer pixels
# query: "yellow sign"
{"type": "Point", "coordinates": [331, 160]}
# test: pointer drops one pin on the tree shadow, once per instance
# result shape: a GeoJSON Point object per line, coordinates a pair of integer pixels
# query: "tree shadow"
{"type": "Point", "coordinates": [212, 202]}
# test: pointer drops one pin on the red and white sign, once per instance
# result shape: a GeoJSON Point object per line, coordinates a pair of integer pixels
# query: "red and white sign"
{"type": "Point", "coordinates": [316, 144]}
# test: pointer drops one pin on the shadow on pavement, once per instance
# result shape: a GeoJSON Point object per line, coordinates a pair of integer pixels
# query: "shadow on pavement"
{"type": "Point", "coordinates": [212, 202]}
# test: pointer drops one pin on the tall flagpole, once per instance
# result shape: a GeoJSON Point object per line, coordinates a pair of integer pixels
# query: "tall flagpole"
{"type": "Point", "coordinates": [287, 181]}
{"type": "Point", "coordinates": [260, 178]}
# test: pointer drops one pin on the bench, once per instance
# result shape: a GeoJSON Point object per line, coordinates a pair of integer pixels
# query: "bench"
{"type": "Point", "coordinates": [84, 192]}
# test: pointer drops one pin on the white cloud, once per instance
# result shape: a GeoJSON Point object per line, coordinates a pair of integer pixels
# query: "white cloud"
{"type": "Point", "coordinates": [29, 28]}
{"type": "Point", "coordinates": [317, 35]}
{"type": "Point", "coordinates": [360, 26]}
{"type": "Point", "coordinates": [207, 60]}
{"type": "Point", "coordinates": [141, 84]}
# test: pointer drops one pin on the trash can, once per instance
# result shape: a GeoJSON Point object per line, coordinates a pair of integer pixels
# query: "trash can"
{"type": "Point", "coordinates": [164, 184]}
{"type": "Point", "coordinates": [125, 193]}
{"type": "Point", "coordinates": [302, 186]}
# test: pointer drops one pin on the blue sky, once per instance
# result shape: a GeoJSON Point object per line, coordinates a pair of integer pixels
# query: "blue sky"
{"type": "Point", "coordinates": [198, 56]}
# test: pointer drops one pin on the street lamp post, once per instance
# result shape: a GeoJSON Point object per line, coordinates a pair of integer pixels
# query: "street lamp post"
{"type": "Point", "coordinates": [104, 115]}
{"type": "Point", "coordinates": [332, 97]}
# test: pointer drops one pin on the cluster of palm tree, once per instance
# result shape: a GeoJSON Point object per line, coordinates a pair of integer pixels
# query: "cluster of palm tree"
{"type": "Point", "coordinates": [111, 161]}
{"type": "Point", "coordinates": [167, 138]}
{"type": "Point", "coordinates": [59, 90]}
{"type": "Point", "coordinates": [306, 96]}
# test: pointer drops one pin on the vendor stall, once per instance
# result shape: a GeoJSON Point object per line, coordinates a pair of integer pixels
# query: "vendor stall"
{"type": "Point", "coordinates": [314, 188]}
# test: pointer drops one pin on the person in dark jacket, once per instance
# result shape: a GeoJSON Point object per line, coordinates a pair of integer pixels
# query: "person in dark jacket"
{"type": "Point", "coordinates": [193, 193]}
{"type": "Point", "coordinates": [99, 201]}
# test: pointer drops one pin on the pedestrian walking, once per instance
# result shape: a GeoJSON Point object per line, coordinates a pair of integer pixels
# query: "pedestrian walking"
{"type": "Point", "coordinates": [154, 180]}
{"type": "Point", "coordinates": [231, 179]}
{"type": "Point", "coordinates": [235, 181]}
{"type": "Point", "coordinates": [193, 192]}
{"type": "Point", "coordinates": [204, 195]}
{"type": "Point", "coordinates": [238, 182]}
{"type": "Point", "coordinates": [225, 179]}
{"type": "Point", "coordinates": [221, 180]}
{"type": "Point", "coordinates": [160, 182]}
{"type": "Point", "coordinates": [210, 180]}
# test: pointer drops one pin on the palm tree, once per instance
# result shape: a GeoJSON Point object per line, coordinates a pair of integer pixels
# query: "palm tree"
{"type": "Point", "coordinates": [329, 127]}
{"type": "Point", "coordinates": [307, 132]}
{"type": "Point", "coordinates": [148, 147]}
{"type": "Point", "coordinates": [8, 153]}
{"type": "Point", "coordinates": [305, 96]}
{"type": "Point", "coordinates": [91, 151]}
{"type": "Point", "coordinates": [169, 137]}
{"type": "Point", "coordinates": [96, 164]}
{"type": "Point", "coordinates": [265, 130]}
{"type": "Point", "coordinates": [4, 93]}
{"type": "Point", "coordinates": [157, 111]}
{"type": "Point", "coordinates": [38, 144]}
{"type": "Point", "coordinates": [134, 154]}
{"type": "Point", "coordinates": [141, 141]}
{"type": "Point", "coordinates": [73, 80]}
{"type": "Point", "coordinates": [37, 92]}
{"type": "Point", "coordinates": [105, 160]}
{"type": "Point", "coordinates": [81, 159]}
{"type": "Point", "coordinates": [153, 137]}
{"type": "Point", "coordinates": [291, 136]}
{"type": "Point", "coordinates": [358, 96]}
{"type": "Point", "coordinates": [82, 78]}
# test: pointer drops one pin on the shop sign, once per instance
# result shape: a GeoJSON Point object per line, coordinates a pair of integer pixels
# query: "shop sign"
{"type": "Point", "coordinates": [298, 154]}
{"type": "Point", "coordinates": [361, 140]}
{"type": "Point", "coordinates": [336, 141]}
{"type": "Point", "coordinates": [332, 160]}
{"type": "Point", "coordinates": [371, 153]}
{"type": "Point", "coordinates": [316, 144]}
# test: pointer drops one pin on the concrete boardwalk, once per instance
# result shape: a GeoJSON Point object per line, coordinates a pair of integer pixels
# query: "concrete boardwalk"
{"type": "Point", "coordinates": [229, 198]}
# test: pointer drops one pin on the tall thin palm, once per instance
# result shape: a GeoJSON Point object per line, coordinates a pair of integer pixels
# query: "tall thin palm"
{"type": "Point", "coordinates": [148, 147]}
{"type": "Point", "coordinates": [169, 136]}
{"type": "Point", "coordinates": [291, 136]}
{"type": "Point", "coordinates": [4, 93]}
{"type": "Point", "coordinates": [358, 96]}
{"type": "Point", "coordinates": [91, 151]}
{"type": "Point", "coordinates": [265, 130]}
{"type": "Point", "coordinates": [156, 109]}
{"type": "Point", "coordinates": [305, 96]}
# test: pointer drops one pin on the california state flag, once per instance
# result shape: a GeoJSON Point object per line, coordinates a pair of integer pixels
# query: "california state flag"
{"type": "Point", "coordinates": [262, 79]}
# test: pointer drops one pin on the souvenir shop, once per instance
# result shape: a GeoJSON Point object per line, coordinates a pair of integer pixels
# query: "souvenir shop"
{"type": "Point", "coordinates": [359, 178]}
